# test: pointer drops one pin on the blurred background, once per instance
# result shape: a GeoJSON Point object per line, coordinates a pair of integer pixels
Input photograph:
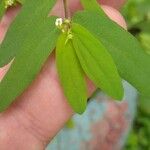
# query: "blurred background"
{"type": "Point", "coordinates": [137, 14]}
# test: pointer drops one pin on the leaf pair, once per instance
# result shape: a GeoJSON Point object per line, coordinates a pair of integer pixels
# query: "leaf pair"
{"type": "Point", "coordinates": [85, 53]}
{"type": "Point", "coordinates": [71, 74]}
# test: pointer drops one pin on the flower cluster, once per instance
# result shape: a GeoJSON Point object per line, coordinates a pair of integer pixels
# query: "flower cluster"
{"type": "Point", "coordinates": [65, 27]}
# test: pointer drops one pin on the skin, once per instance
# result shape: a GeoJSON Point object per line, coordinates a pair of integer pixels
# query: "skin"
{"type": "Point", "coordinates": [42, 110]}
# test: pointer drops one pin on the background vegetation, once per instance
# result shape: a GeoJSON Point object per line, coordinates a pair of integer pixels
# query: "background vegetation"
{"type": "Point", "coordinates": [137, 14]}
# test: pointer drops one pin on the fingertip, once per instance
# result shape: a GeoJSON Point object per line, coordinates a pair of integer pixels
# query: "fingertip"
{"type": "Point", "coordinates": [115, 15]}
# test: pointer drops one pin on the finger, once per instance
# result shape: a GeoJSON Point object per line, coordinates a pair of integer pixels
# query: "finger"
{"type": "Point", "coordinates": [7, 20]}
{"type": "Point", "coordinates": [113, 3]}
{"type": "Point", "coordinates": [115, 15]}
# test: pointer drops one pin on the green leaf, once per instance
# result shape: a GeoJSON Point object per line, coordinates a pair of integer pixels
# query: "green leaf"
{"type": "Point", "coordinates": [71, 74]}
{"type": "Point", "coordinates": [25, 28]}
{"type": "Point", "coordinates": [97, 62]}
{"type": "Point", "coordinates": [35, 45]}
{"type": "Point", "coordinates": [2, 8]}
{"type": "Point", "coordinates": [132, 62]}
{"type": "Point", "coordinates": [27, 64]}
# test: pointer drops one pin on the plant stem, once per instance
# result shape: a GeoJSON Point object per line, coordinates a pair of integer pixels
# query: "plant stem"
{"type": "Point", "coordinates": [66, 9]}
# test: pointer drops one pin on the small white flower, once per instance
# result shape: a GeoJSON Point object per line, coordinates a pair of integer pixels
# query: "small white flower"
{"type": "Point", "coordinates": [59, 22]}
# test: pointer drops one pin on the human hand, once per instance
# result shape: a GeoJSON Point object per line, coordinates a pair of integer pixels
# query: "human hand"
{"type": "Point", "coordinates": [42, 110]}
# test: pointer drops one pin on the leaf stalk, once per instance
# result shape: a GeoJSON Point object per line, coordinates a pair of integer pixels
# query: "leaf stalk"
{"type": "Point", "coordinates": [66, 9]}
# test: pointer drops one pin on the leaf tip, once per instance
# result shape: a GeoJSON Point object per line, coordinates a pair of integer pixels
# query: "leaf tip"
{"type": "Point", "coordinates": [119, 94]}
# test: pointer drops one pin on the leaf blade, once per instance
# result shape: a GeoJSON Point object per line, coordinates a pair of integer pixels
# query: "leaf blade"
{"type": "Point", "coordinates": [23, 28]}
{"type": "Point", "coordinates": [27, 64]}
{"type": "Point", "coordinates": [71, 75]}
{"type": "Point", "coordinates": [97, 62]}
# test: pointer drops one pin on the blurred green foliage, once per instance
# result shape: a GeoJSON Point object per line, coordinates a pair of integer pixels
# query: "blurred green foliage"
{"type": "Point", "coordinates": [136, 11]}
{"type": "Point", "coordinates": [137, 14]}
{"type": "Point", "coordinates": [139, 137]}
